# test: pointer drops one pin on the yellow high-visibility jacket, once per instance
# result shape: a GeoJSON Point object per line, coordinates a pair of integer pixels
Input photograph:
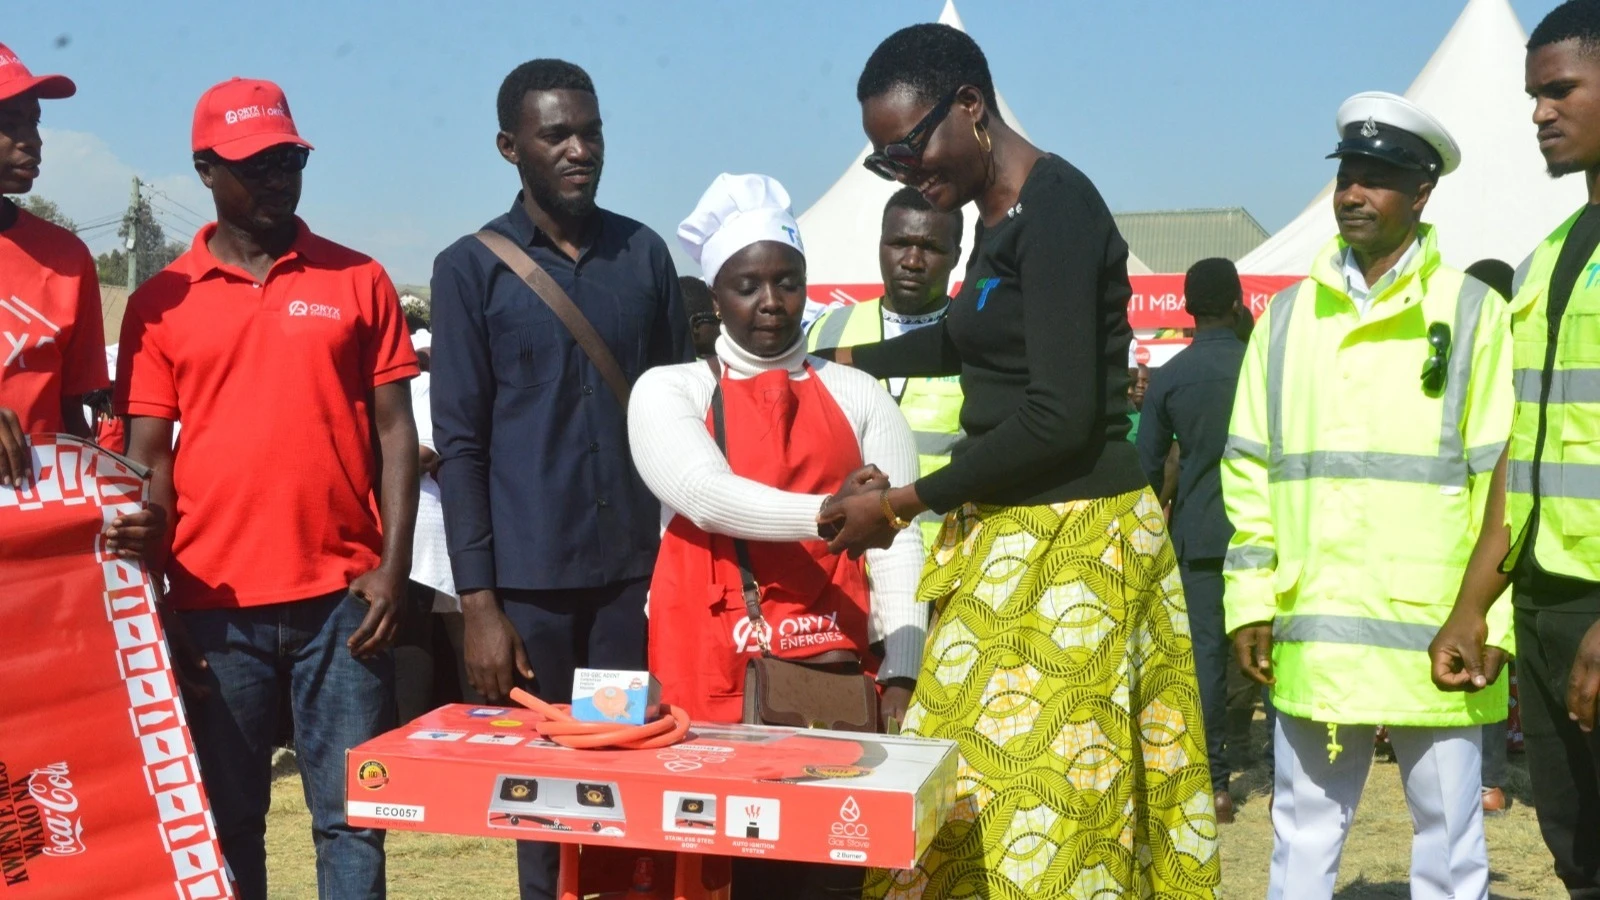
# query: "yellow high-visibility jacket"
{"type": "Point", "coordinates": [1568, 541]}
{"type": "Point", "coordinates": [1357, 495]}
{"type": "Point", "coordinates": [932, 406]}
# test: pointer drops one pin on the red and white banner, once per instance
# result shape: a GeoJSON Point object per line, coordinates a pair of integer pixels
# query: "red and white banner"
{"type": "Point", "coordinates": [100, 793]}
{"type": "Point", "coordinates": [1157, 300]}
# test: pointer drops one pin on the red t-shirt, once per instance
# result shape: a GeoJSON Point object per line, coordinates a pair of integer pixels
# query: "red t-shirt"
{"type": "Point", "coordinates": [51, 342]}
{"type": "Point", "coordinates": [272, 382]}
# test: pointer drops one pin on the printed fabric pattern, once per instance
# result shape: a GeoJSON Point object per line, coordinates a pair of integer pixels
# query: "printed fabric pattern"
{"type": "Point", "coordinates": [1062, 667]}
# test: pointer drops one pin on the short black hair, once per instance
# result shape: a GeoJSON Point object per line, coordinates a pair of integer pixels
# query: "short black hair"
{"type": "Point", "coordinates": [696, 295]}
{"type": "Point", "coordinates": [1574, 20]}
{"type": "Point", "coordinates": [1211, 288]}
{"type": "Point", "coordinates": [930, 61]}
{"type": "Point", "coordinates": [909, 197]}
{"type": "Point", "coordinates": [1496, 273]}
{"type": "Point", "coordinates": [537, 75]}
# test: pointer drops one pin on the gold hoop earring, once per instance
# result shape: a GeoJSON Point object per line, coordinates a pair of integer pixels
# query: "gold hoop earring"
{"type": "Point", "coordinates": [981, 135]}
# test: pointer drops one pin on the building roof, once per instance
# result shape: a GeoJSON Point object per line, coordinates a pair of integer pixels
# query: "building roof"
{"type": "Point", "coordinates": [1171, 241]}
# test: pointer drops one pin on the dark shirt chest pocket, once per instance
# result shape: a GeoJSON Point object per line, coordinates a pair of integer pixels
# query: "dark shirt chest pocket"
{"type": "Point", "coordinates": [526, 356]}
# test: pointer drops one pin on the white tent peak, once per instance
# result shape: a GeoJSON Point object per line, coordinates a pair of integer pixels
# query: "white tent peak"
{"type": "Point", "coordinates": [949, 16]}
{"type": "Point", "coordinates": [841, 229]}
{"type": "Point", "coordinates": [1500, 203]}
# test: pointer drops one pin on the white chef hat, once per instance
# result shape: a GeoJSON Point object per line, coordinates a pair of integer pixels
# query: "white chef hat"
{"type": "Point", "coordinates": [735, 212]}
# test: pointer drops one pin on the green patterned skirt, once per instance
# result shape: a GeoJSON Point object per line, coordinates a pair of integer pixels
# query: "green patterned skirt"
{"type": "Point", "coordinates": [1061, 666]}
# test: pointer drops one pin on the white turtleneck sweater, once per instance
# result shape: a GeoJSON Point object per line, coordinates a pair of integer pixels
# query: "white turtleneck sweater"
{"type": "Point", "coordinates": [680, 462]}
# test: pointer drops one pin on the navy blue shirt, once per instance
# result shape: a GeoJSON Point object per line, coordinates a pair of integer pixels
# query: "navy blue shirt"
{"type": "Point", "coordinates": [538, 484]}
{"type": "Point", "coordinates": [1191, 399]}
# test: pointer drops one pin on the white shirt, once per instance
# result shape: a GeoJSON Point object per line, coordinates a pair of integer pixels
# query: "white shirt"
{"type": "Point", "coordinates": [1356, 281]}
{"type": "Point", "coordinates": [681, 464]}
{"type": "Point", "coordinates": [430, 561]}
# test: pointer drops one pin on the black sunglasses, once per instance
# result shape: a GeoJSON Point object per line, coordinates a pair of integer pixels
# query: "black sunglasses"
{"type": "Point", "coordinates": [1434, 370]}
{"type": "Point", "coordinates": [904, 155]}
{"type": "Point", "coordinates": [270, 162]}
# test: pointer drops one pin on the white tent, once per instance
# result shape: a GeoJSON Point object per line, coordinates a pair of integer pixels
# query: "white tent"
{"type": "Point", "coordinates": [841, 229]}
{"type": "Point", "coordinates": [1499, 203]}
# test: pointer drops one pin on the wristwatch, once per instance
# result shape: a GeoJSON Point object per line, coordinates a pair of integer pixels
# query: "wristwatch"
{"type": "Point", "coordinates": [888, 512]}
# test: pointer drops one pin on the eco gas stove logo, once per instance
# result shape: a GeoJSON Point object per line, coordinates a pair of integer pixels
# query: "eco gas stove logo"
{"type": "Point", "coordinates": [849, 824]}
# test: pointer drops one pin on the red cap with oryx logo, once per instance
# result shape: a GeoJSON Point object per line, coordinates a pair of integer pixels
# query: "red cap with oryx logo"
{"type": "Point", "coordinates": [15, 79]}
{"type": "Point", "coordinates": [242, 117]}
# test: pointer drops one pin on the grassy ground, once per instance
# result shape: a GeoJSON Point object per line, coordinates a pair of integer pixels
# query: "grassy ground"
{"type": "Point", "coordinates": [1376, 863]}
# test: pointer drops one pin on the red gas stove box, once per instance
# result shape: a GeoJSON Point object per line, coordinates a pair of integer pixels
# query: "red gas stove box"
{"type": "Point", "coordinates": [729, 790]}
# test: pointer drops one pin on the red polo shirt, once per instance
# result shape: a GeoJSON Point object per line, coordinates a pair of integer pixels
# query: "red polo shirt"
{"type": "Point", "coordinates": [51, 343]}
{"type": "Point", "coordinates": [272, 382]}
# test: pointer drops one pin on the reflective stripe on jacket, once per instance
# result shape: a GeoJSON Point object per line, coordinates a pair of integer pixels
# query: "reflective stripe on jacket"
{"type": "Point", "coordinates": [1357, 494]}
{"type": "Point", "coordinates": [1568, 537]}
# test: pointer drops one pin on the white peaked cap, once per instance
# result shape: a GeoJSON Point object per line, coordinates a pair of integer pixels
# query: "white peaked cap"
{"type": "Point", "coordinates": [1367, 122]}
{"type": "Point", "coordinates": [735, 212]}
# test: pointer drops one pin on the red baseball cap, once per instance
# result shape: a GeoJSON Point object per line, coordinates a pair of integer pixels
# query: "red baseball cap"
{"type": "Point", "coordinates": [15, 79]}
{"type": "Point", "coordinates": [242, 117]}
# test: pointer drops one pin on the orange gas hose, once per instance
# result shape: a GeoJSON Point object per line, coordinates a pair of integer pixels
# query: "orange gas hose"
{"type": "Point", "coordinates": [560, 727]}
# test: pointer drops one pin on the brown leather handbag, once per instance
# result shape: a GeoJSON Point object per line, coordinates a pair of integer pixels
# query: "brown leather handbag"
{"type": "Point", "coordinates": [828, 690]}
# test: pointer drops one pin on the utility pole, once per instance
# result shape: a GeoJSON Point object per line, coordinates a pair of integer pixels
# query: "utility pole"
{"type": "Point", "coordinates": [134, 211]}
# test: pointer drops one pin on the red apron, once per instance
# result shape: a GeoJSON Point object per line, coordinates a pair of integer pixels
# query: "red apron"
{"type": "Point", "coordinates": [790, 435]}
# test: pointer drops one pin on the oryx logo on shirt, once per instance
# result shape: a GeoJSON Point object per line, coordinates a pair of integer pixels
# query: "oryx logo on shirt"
{"type": "Point", "coordinates": [300, 308]}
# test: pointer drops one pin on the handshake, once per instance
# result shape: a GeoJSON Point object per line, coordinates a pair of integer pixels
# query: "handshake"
{"type": "Point", "coordinates": [854, 519]}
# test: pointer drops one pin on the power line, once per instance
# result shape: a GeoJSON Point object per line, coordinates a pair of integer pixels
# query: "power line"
{"type": "Point", "coordinates": [168, 226]}
{"type": "Point", "coordinates": [99, 222]}
{"type": "Point", "coordinates": [161, 193]}
{"type": "Point", "coordinates": [176, 215]}
{"type": "Point", "coordinates": [94, 228]}
{"type": "Point", "coordinates": [189, 223]}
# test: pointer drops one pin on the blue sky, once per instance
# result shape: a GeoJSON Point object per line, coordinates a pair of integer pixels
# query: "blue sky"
{"type": "Point", "coordinates": [1164, 103]}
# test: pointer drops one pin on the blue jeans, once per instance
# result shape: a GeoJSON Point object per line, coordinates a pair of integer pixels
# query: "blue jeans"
{"type": "Point", "coordinates": [337, 702]}
{"type": "Point", "coordinates": [599, 628]}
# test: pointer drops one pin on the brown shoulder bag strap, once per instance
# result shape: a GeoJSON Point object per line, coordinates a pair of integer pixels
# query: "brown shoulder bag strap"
{"type": "Point", "coordinates": [741, 550]}
{"type": "Point", "coordinates": [546, 289]}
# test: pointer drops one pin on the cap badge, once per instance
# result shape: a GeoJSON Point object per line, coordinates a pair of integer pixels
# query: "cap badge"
{"type": "Point", "coordinates": [1369, 129]}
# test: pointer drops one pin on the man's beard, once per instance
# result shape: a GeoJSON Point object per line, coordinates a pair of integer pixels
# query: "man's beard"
{"type": "Point", "coordinates": [1560, 169]}
{"type": "Point", "coordinates": [551, 200]}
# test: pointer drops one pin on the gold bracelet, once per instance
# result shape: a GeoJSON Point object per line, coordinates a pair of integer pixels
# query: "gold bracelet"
{"type": "Point", "coordinates": [888, 512]}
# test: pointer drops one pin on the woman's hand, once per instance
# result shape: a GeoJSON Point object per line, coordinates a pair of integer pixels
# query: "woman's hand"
{"type": "Point", "coordinates": [860, 520]}
{"type": "Point", "coordinates": [867, 479]}
{"type": "Point", "coordinates": [857, 524]}
{"type": "Point", "coordinates": [894, 702]}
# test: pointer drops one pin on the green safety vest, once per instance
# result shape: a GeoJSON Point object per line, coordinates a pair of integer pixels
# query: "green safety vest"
{"type": "Point", "coordinates": [1357, 496]}
{"type": "Point", "coordinates": [931, 405]}
{"type": "Point", "coordinates": [1568, 541]}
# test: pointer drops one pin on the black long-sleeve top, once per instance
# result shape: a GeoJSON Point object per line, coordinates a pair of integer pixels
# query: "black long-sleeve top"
{"type": "Point", "coordinates": [1039, 335]}
{"type": "Point", "coordinates": [538, 483]}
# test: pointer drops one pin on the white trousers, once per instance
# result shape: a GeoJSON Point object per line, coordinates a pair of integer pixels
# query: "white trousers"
{"type": "Point", "coordinates": [1315, 801]}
